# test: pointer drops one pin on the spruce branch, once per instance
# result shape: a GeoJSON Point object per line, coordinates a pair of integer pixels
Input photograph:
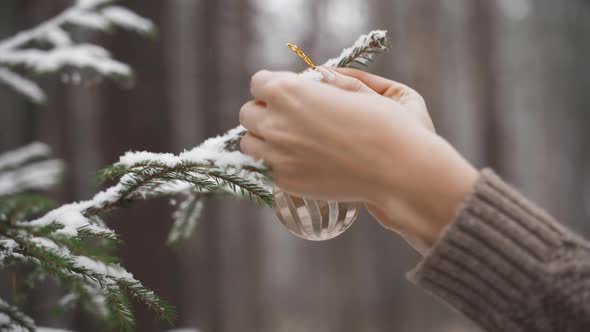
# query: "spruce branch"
{"type": "Point", "coordinates": [16, 158]}
{"type": "Point", "coordinates": [107, 279]}
{"type": "Point", "coordinates": [11, 319]}
{"type": "Point", "coordinates": [122, 314]}
{"type": "Point", "coordinates": [75, 250]}
{"type": "Point", "coordinates": [59, 50]}
{"type": "Point", "coordinates": [218, 159]}
{"type": "Point", "coordinates": [73, 245]}
{"type": "Point", "coordinates": [363, 51]}
{"type": "Point", "coordinates": [185, 218]}
{"type": "Point", "coordinates": [29, 168]}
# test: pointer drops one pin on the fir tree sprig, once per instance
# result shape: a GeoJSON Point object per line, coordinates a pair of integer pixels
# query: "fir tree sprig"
{"type": "Point", "coordinates": [49, 47]}
{"type": "Point", "coordinates": [11, 318]}
{"type": "Point", "coordinates": [29, 168]}
{"type": "Point", "coordinates": [363, 51]}
{"type": "Point", "coordinates": [105, 279]}
{"type": "Point", "coordinates": [226, 147]}
{"type": "Point", "coordinates": [73, 245]}
{"type": "Point", "coordinates": [185, 218]}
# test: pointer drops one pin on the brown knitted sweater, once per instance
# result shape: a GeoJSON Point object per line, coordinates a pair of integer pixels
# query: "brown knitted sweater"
{"type": "Point", "coordinates": [508, 265]}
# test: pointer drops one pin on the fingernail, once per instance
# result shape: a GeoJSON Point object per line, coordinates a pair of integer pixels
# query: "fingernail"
{"type": "Point", "coordinates": [327, 75]}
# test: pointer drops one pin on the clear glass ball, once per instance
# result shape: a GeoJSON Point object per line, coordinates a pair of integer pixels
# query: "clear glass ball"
{"type": "Point", "coordinates": [314, 220]}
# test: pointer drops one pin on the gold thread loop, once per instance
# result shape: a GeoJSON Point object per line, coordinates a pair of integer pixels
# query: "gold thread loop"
{"type": "Point", "coordinates": [301, 54]}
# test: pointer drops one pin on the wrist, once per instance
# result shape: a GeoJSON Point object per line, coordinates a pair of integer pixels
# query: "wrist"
{"type": "Point", "coordinates": [419, 199]}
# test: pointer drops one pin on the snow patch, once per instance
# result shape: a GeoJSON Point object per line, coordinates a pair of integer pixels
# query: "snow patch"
{"type": "Point", "coordinates": [22, 85]}
{"type": "Point", "coordinates": [40, 175]}
{"type": "Point", "coordinates": [364, 41]}
{"type": "Point", "coordinates": [23, 154]}
{"type": "Point", "coordinates": [81, 56]}
{"type": "Point", "coordinates": [210, 152]}
{"type": "Point", "coordinates": [125, 18]}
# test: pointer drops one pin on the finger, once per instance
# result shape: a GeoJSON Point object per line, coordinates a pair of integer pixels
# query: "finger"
{"type": "Point", "coordinates": [344, 82]}
{"type": "Point", "coordinates": [399, 92]}
{"type": "Point", "coordinates": [254, 146]}
{"type": "Point", "coordinates": [265, 85]}
{"type": "Point", "coordinates": [385, 87]}
{"type": "Point", "coordinates": [251, 115]}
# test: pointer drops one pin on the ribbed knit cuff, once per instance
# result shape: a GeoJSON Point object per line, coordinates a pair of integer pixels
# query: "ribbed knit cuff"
{"type": "Point", "coordinates": [489, 263]}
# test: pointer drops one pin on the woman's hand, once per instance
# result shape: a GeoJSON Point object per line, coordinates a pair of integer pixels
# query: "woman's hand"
{"type": "Point", "coordinates": [360, 138]}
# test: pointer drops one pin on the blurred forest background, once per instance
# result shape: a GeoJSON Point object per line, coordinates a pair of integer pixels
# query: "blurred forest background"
{"type": "Point", "coordinates": [506, 81]}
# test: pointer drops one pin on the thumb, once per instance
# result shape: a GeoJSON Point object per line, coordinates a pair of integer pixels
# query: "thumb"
{"type": "Point", "coordinates": [344, 82]}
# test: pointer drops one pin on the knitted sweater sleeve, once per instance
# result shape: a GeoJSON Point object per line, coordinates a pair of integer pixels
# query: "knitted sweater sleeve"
{"type": "Point", "coordinates": [509, 266]}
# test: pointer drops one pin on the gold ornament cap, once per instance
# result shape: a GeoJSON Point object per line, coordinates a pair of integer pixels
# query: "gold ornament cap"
{"type": "Point", "coordinates": [301, 54]}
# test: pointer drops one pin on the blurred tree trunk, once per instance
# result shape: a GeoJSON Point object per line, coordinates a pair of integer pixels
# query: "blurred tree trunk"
{"type": "Point", "coordinates": [196, 101]}
{"type": "Point", "coordinates": [241, 241]}
{"type": "Point", "coordinates": [542, 96]}
{"type": "Point", "coordinates": [183, 96]}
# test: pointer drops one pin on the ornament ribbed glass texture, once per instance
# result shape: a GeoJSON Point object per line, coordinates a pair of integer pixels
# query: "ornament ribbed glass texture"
{"type": "Point", "coordinates": [314, 220]}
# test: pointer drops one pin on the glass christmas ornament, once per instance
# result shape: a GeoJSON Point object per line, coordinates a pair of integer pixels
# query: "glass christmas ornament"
{"type": "Point", "coordinates": [314, 220]}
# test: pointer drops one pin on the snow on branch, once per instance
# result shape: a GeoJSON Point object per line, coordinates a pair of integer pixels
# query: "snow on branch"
{"type": "Point", "coordinates": [221, 155]}
{"type": "Point", "coordinates": [37, 176]}
{"type": "Point", "coordinates": [57, 240]}
{"type": "Point", "coordinates": [186, 217]}
{"type": "Point", "coordinates": [24, 86]}
{"type": "Point", "coordinates": [79, 56]}
{"type": "Point", "coordinates": [29, 168]}
{"type": "Point", "coordinates": [215, 167]}
{"type": "Point", "coordinates": [18, 52]}
{"type": "Point", "coordinates": [24, 154]}
{"type": "Point", "coordinates": [105, 282]}
{"type": "Point", "coordinates": [362, 51]}
{"type": "Point", "coordinates": [10, 317]}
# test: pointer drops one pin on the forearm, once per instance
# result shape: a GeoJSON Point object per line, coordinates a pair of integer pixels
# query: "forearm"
{"type": "Point", "coordinates": [509, 266]}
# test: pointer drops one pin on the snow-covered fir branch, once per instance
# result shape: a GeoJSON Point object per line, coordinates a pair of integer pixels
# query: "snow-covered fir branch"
{"type": "Point", "coordinates": [222, 154]}
{"type": "Point", "coordinates": [20, 53]}
{"type": "Point", "coordinates": [10, 314]}
{"type": "Point", "coordinates": [185, 218]}
{"type": "Point", "coordinates": [23, 154]}
{"type": "Point", "coordinates": [72, 244]}
{"type": "Point", "coordinates": [215, 167]}
{"type": "Point", "coordinates": [362, 52]}
{"type": "Point", "coordinates": [75, 250]}
{"type": "Point", "coordinates": [29, 168]}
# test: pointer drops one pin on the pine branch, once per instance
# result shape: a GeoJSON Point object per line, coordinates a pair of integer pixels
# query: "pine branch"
{"type": "Point", "coordinates": [363, 51]}
{"type": "Point", "coordinates": [34, 151]}
{"type": "Point", "coordinates": [214, 159]}
{"type": "Point", "coordinates": [12, 319]}
{"type": "Point", "coordinates": [62, 52]}
{"type": "Point", "coordinates": [74, 246]}
{"type": "Point", "coordinates": [23, 206]}
{"type": "Point", "coordinates": [22, 85]}
{"type": "Point", "coordinates": [122, 314]}
{"type": "Point", "coordinates": [40, 175]}
{"type": "Point", "coordinates": [185, 219]}
{"type": "Point", "coordinates": [106, 278]}
{"type": "Point", "coordinates": [136, 290]}
{"type": "Point", "coordinates": [28, 168]}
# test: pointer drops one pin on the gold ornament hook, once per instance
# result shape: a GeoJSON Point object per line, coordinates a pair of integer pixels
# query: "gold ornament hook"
{"type": "Point", "coordinates": [301, 54]}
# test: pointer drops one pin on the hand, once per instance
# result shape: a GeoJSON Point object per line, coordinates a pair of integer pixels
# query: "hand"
{"type": "Point", "coordinates": [308, 133]}
{"type": "Point", "coordinates": [359, 138]}
{"type": "Point", "coordinates": [412, 101]}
